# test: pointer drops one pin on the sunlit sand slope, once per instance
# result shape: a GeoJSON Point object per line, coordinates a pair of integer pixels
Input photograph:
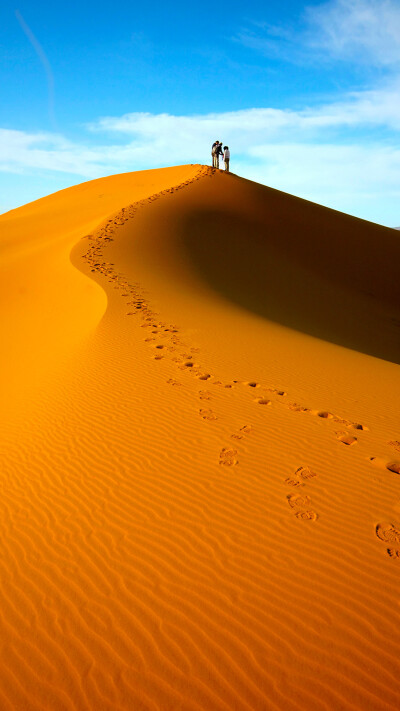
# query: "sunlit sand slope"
{"type": "Point", "coordinates": [200, 484]}
{"type": "Point", "coordinates": [47, 306]}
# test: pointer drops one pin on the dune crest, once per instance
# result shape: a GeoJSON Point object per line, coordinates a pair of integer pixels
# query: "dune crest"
{"type": "Point", "coordinates": [200, 484]}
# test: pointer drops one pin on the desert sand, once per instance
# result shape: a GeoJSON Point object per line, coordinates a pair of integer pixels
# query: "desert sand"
{"type": "Point", "coordinates": [200, 450]}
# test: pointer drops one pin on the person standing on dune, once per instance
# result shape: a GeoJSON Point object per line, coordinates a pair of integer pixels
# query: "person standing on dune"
{"type": "Point", "coordinates": [217, 153]}
{"type": "Point", "coordinates": [227, 157]}
{"type": "Point", "coordinates": [214, 154]}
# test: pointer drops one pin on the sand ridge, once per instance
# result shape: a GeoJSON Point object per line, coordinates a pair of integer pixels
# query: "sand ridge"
{"type": "Point", "coordinates": [192, 536]}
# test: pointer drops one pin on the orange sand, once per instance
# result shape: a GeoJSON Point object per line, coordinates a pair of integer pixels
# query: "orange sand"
{"type": "Point", "coordinates": [200, 440]}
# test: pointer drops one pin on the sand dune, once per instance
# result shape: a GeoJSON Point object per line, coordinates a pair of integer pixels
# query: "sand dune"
{"type": "Point", "coordinates": [200, 492]}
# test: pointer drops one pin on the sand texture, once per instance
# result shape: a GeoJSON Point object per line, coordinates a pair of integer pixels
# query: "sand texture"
{"type": "Point", "coordinates": [200, 450]}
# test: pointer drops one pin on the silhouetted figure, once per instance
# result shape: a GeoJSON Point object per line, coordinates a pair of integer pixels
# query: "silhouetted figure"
{"type": "Point", "coordinates": [216, 152]}
{"type": "Point", "coordinates": [227, 157]}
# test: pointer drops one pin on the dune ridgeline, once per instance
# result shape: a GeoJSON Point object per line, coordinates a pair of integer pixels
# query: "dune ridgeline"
{"type": "Point", "coordinates": [200, 450]}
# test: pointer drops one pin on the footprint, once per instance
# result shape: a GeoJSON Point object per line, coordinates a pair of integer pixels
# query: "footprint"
{"type": "Point", "coordinates": [204, 395]}
{"type": "Point", "coordinates": [187, 364]}
{"type": "Point", "coordinates": [306, 515]}
{"type": "Point", "coordinates": [172, 381]}
{"type": "Point", "coordinates": [263, 401]}
{"type": "Point", "coordinates": [390, 466]}
{"type": "Point", "coordinates": [388, 532]}
{"type": "Point", "coordinates": [242, 432]}
{"type": "Point", "coordinates": [208, 415]}
{"type": "Point", "coordinates": [298, 500]}
{"type": "Point", "coordinates": [346, 439]}
{"type": "Point", "coordinates": [227, 457]}
{"type": "Point", "coordinates": [393, 467]}
{"type": "Point", "coordinates": [304, 473]}
{"type": "Point", "coordinates": [292, 481]}
{"type": "Point", "coordinates": [297, 408]}
{"type": "Point", "coordinates": [395, 444]}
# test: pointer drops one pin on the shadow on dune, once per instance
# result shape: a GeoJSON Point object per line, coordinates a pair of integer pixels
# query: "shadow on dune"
{"type": "Point", "coordinates": [301, 265]}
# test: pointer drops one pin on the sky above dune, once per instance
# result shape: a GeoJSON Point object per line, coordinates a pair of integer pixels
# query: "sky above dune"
{"type": "Point", "coordinates": [305, 94]}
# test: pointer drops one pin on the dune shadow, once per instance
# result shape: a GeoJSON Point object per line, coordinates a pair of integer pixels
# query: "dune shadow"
{"type": "Point", "coordinates": [303, 266]}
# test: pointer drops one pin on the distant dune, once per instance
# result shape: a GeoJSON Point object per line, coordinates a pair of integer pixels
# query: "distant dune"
{"type": "Point", "coordinates": [200, 444]}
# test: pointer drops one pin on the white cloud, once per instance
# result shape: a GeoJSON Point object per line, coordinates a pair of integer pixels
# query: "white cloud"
{"type": "Point", "coordinates": [20, 151]}
{"type": "Point", "coordinates": [331, 170]}
{"type": "Point", "coordinates": [360, 30]}
{"type": "Point", "coordinates": [380, 107]}
{"type": "Point", "coordinates": [311, 153]}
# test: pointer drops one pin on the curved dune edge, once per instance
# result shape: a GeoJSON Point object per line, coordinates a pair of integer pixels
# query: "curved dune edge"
{"type": "Point", "coordinates": [180, 538]}
{"type": "Point", "coordinates": [48, 308]}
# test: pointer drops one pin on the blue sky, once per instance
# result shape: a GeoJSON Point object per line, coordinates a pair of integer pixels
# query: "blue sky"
{"type": "Point", "coordinates": [305, 94]}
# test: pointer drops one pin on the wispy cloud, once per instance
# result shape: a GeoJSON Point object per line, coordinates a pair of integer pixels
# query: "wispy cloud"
{"type": "Point", "coordinates": [335, 172]}
{"type": "Point", "coordinates": [21, 151]}
{"type": "Point", "coordinates": [44, 62]}
{"type": "Point", "coordinates": [380, 107]}
{"type": "Point", "coordinates": [359, 31]}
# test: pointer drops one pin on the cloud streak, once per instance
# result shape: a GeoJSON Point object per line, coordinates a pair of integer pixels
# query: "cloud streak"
{"type": "Point", "coordinates": [363, 32]}
{"type": "Point", "coordinates": [357, 30]}
{"type": "Point", "coordinates": [44, 62]}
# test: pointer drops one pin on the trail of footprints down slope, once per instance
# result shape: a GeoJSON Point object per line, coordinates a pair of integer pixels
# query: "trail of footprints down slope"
{"type": "Point", "coordinates": [165, 342]}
